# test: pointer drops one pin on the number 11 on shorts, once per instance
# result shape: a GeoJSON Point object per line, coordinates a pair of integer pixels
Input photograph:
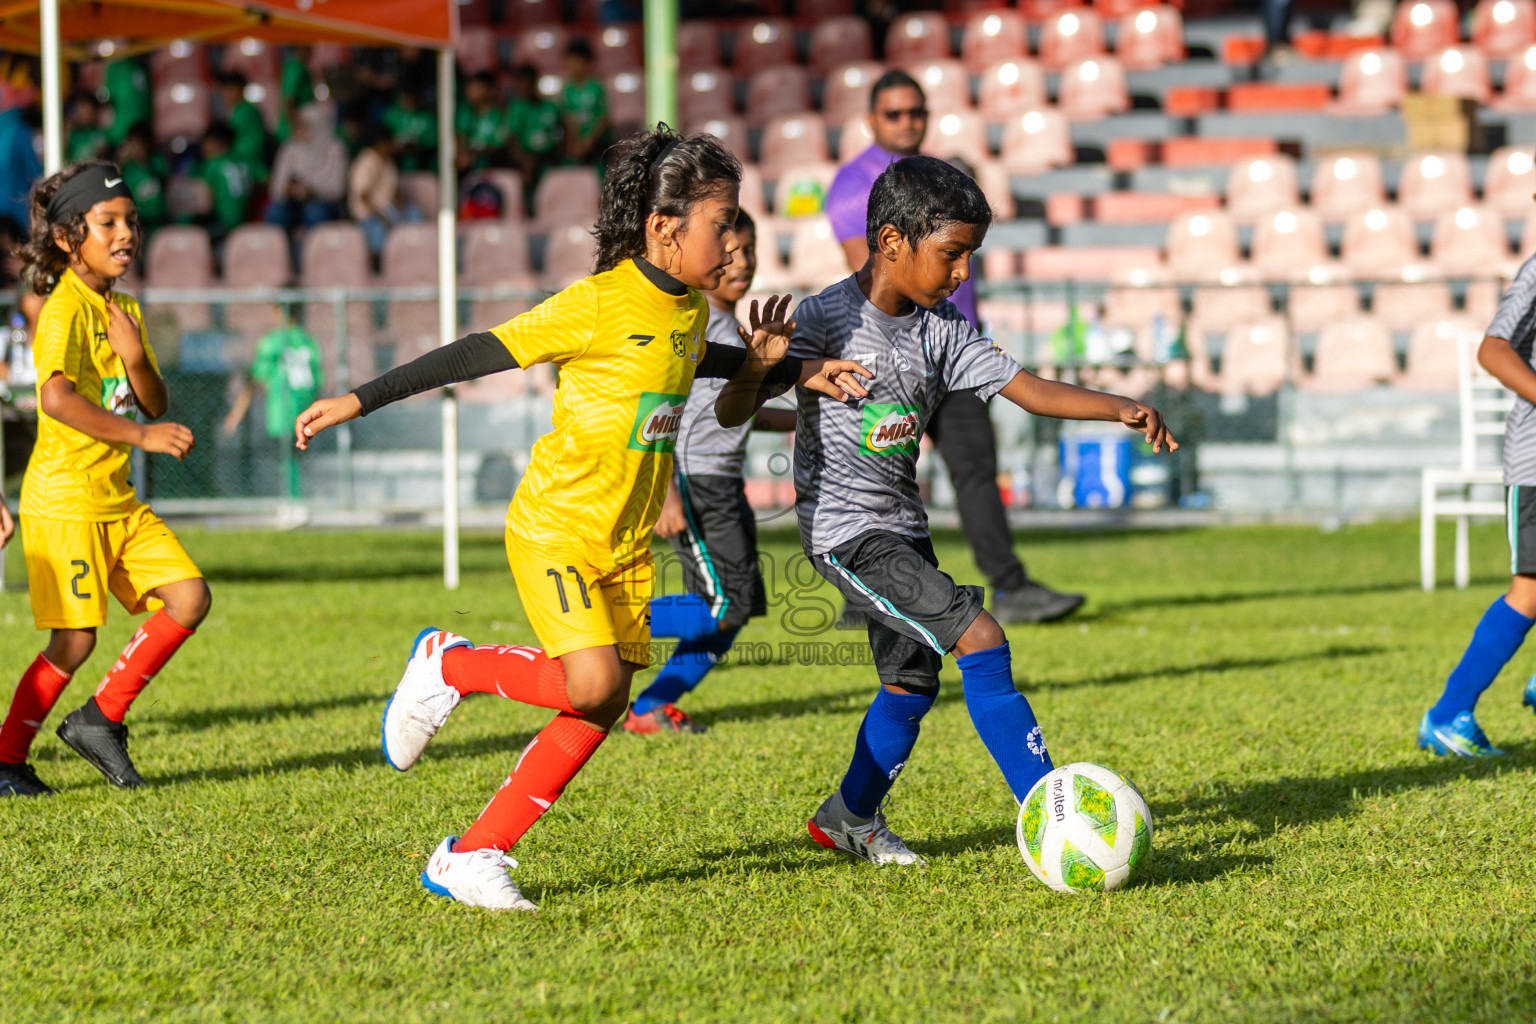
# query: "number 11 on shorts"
{"type": "Point", "coordinates": [565, 605]}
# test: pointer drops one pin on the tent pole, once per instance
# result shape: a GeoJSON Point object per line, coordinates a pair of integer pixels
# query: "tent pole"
{"type": "Point", "coordinates": [447, 308]}
{"type": "Point", "coordinates": [53, 88]}
{"type": "Point", "coordinates": [661, 62]}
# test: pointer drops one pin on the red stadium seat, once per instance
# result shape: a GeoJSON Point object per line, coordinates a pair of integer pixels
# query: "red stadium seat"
{"type": "Point", "coordinates": [854, 139]}
{"type": "Point", "coordinates": [182, 110]}
{"type": "Point", "coordinates": [478, 50]}
{"type": "Point", "coordinates": [1511, 180]}
{"type": "Point", "coordinates": [793, 139]}
{"type": "Point", "coordinates": [1432, 356]}
{"type": "Point", "coordinates": [1011, 87]}
{"type": "Point", "coordinates": [1504, 28]}
{"type": "Point", "coordinates": [1202, 246]}
{"type": "Point", "coordinates": [763, 44]}
{"type": "Point", "coordinates": [1036, 140]}
{"type": "Point", "coordinates": [1345, 183]}
{"type": "Point", "coordinates": [1379, 243]}
{"type": "Point", "coordinates": [1420, 27]}
{"type": "Point", "coordinates": [1352, 355]}
{"type": "Point", "coordinates": [839, 41]}
{"type": "Point", "coordinates": [1469, 242]}
{"type": "Point", "coordinates": [801, 190]}
{"type": "Point", "coordinates": [1371, 82]}
{"type": "Point", "coordinates": [568, 255]}
{"type": "Point", "coordinates": [566, 195]}
{"type": "Point", "coordinates": [992, 37]}
{"type": "Point", "coordinates": [730, 130]}
{"type": "Point", "coordinates": [698, 45]}
{"type": "Point", "coordinates": [946, 85]}
{"type": "Point", "coordinates": [1093, 87]}
{"type": "Point", "coordinates": [494, 252]}
{"type": "Point", "coordinates": [962, 134]}
{"type": "Point", "coordinates": [1289, 245]}
{"type": "Point", "coordinates": [778, 90]}
{"type": "Point", "coordinates": [1433, 182]}
{"type": "Point", "coordinates": [845, 92]}
{"type": "Point", "coordinates": [1150, 37]}
{"type": "Point", "coordinates": [1519, 92]}
{"type": "Point", "coordinates": [1260, 185]}
{"type": "Point", "coordinates": [1069, 36]}
{"type": "Point", "coordinates": [543, 47]}
{"type": "Point", "coordinates": [626, 100]}
{"type": "Point", "coordinates": [1457, 71]}
{"type": "Point", "coordinates": [704, 93]}
{"type": "Point", "coordinates": [619, 48]}
{"type": "Point", "coordinates": [918, 37]}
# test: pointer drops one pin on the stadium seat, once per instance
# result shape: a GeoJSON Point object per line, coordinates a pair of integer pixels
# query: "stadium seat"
{"type": "Point", "coordinates": [1011, 88]}
{"type": "Point", "coordinates": [182, 110]}
{"type": "Point", "coordinates": [1379, 242]}
{"type": "Point", "coordinates": [920, 36]}
{"type": "Point", "coordinates": [839, 41]}
{"type": "Point", "coordinates": [1482, 297]}
{"type": "Point", "coordinates": [1421, 27]}
{"type": "Point", "coordinates": [1457, 71]}
{"type": "Point", "coordinates": [1519, 91]}
{"type": "Point", "coordinates": [1093, 87]}
{"type": "Point", "coordinates": [525, 13]}
{"type": "Point", "coordinates": [854, 139]}
{"type": "Point", "coordinates": [1469, 242]}
{"type": "Point", "coordinates": [1150, 37]}
{"type": "Point", "coordinates": [1511, 180]}
{"type": "Point", "coordinates": [1432, 353]}
{"type": "Point", "coordinates": [179, 257]}
{"type": "Point", "coordinates": [1071, 35]}
{"type": "Point", "coordinates": [1138, 308]}
{"type": "Point", "coordinates": [188, 198]}
{"type": "Point", "coordinates": [1501, 28]}
{"type": "Point", "coordinates": [845, 91]}
{"type": "Point", "coordinates": [800, 190]}
{"type": "Point", "coordinates": [1036, 140]}
{"type": "Point", "coordinates": [619, 48]}
{"type": "Point", "coordinates": [1346, 183]}
{"type": "Point", "coordinates": [991, 37]}
{"type": "Point", "coordinates": [626, 101]}
{"type": "Point", "coordinates": [1289, 245]}
{"type": "Point", "coordinates": [420, 190]}
{"type": "Point", "coordinates": [1433, 182]}
{"type": "Point", "coordinates": [794, 139]}
{"type": "Point", "coordinates": [1202, 246]}
{"type": "Point", "coordinates": [777, 90]}
{"type": "Point", "coordinates": [181, 61]}
{"type": "Point", "coordinates": [409, 260]}
{"type": "Point", "coordinates": [960, 134]}
{"type": "Point", "coordinates": [761, 44]}
{"type": "Point", "coordinates": [1312, 307]}
{"type": "Point", "coordinates": [256, 256]}
{"type": "Point", "coordinates": [730, 130]}
{"type": "Point", "coordinates": [544, 48]}
{"type": "Point", "coordinates": [566, 195]}
{"type": "Point", "coordinates": [1261, 185]}
{"type": "Point", "coordinates": [334, 255]}
{"type": "Point", "coordinates": [752, 197]}
{"type": "Point", "coordinates": [493, 252]}
{"type": "Point", "coordinates": [254, 58]}
{"type": "Point", "coordinates": [507, 181]}
{"type": "Point", "coordinates": [772, 270]}
{"type": "Point", "coordinates": [997, 186]}
{"type": "Point", "coordinates": [705, 93]}
{"type": "Point", "coordinates": [698, 45]}
{"type": "Point", "coordinates": [815, 258]}
{"type": "Point", "coordinates": [1403, 305]}
{"type": "Point", "coordinates": [1371, 82]}
{"type": "Point", "coordinates": [1352, 355]}
{"type": "Point", "coordinates": [478, 50]}
{"type": "Point", "coordinates": [568, 255]}
{"type": "Point", "coordinates": [946, 85]}
{"type": "Point", "coordinates": [1255, 358]}
{"type": "Point", "coordinates": [1221, 307]}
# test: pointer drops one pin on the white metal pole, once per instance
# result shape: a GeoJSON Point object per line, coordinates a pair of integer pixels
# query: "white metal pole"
{"type": "Point", "coordinates": [447, 308]}
{"type": "Point", "coordinates": [53, 88]}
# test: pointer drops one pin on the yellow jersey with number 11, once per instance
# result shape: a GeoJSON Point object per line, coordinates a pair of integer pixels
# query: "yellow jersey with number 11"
{"type": "Point", "coordinates": [626, 351]}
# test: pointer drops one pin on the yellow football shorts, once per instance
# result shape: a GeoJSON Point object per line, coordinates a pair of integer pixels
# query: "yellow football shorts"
{"type": "Point", "coordinates": [73, 565]}
{"type": "Point", "coordinates": [572, 605]}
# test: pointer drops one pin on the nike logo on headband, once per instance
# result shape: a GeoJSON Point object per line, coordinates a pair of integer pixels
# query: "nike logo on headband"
{"type": "Point", "coordinates": [112, 182]}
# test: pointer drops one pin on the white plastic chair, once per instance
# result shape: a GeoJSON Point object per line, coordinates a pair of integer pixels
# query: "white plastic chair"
{"type": "Point", "coordinates": [1484, 404]}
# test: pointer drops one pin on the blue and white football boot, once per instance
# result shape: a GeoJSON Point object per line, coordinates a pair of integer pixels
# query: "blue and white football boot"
{"type": "Point", "coordinates": [1529, 700]}
{"type": "Point", "coordinates": [475, 877]}
{"type": "Point", "coordinates": [423, 701]}
{"type": "Point", "coordinates": [1463, 737]}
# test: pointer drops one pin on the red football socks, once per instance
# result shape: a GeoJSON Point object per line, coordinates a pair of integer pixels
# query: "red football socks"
{"type": "Point", "coordinates": [145, 655]}
{"type": "Point", "coordinates": [36, 694]}
{"type": "Point", "coordinates": [524, 674]}
{"type": "Point", "coordinates": [549, 762]}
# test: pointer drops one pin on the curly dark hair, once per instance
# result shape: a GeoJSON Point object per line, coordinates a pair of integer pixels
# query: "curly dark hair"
{"type": "Point", "coordinates": [697, 167]}
{"type": "Point", "coordinates": [42, 261]}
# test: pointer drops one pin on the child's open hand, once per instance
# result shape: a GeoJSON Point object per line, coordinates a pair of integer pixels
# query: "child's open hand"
{"type": "Point", "coordinates": [768, 339]}
{"type": "Point", "coordinates": [327, 412]}
{"type": "Point", "coordinates": [167, 439]}
{"type": "Point", "coordinates": [1150, 422]}
{"type": "Point", "coordinates": [123, 334]}
{"type": "Point", "coordinates": [835, 379]}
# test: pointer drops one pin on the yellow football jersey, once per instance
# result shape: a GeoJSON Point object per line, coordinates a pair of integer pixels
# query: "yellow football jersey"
{"type": "Point", "coordinates": [626, 352]}
{"type": "Point", "coordinates": [73, 475]}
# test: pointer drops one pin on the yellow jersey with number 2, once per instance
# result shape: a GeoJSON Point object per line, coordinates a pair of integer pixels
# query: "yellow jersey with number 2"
{"type": "Point", "coordinates": [71, 475]}
{"type": "Point", "coordinates": [627, 352]}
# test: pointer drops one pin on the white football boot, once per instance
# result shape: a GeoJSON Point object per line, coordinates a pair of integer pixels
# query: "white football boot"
{"type": "Point", "coordinates": [423, 701]}
{"type": "Point", "coordinates": [477, 878]}
{"type": "Point", "coordinates": [837, 828]}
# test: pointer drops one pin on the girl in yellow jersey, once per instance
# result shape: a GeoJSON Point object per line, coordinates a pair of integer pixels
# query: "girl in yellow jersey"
{"type": "Point", "coordinates": [629, 341]}
{"type": "Point", "coordinates": [85, 533]}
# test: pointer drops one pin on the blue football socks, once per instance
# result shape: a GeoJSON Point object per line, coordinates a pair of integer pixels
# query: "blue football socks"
{"type": "Point", "coordinates": [1004, 719]}
{"type": "Point", "coordinates": [685, 616]}
{"type": "Point", "coordinates": [885, 742]}
{"type": "Point", "coordinates": [689, 664]}
{"type": "Point", "coordinates": [1497, 637]}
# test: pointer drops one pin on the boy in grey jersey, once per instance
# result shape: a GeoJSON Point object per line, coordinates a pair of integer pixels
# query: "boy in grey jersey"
{"type": "Point", "coordinates": [709, 523]}
{"type": "Point", "coordinates": [1508, 351]}
{"type": "Point", "coordinates": [861, 520]}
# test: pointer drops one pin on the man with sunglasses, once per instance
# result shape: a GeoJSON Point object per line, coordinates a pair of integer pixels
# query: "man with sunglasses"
{"type": "Point", "coordinates": [961, 426]}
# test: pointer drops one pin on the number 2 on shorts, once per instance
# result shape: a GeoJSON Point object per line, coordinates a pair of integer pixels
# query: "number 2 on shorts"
{"type": "Point", "coordinates": [565, 606]}
{"type": "Point", "coordinates": [82, 569]}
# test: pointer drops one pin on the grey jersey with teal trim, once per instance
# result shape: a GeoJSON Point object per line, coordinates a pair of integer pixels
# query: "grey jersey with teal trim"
{"type": "Point", "coordinates": [856, 462]}
{"type": "Point", "coordinates": [704, 447]}
{"type": "Point", "coordinates": [1515, 322]}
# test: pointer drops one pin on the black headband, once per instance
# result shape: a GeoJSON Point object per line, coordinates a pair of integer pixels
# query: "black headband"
{"type": "Point", "coordinates": [96, 184]}
{"type": "Point", "coordinates": [661, 157]}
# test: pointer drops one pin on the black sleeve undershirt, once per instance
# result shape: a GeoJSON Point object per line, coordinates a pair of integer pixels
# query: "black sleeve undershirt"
{"type": "Point", "coordinates": [726, 361]}
{"type": "Point", "coordinates": [473, 356]}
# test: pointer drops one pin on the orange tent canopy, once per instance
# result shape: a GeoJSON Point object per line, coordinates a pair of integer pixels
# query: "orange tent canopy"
{"type": "Point", "coordinates": [151, 24]}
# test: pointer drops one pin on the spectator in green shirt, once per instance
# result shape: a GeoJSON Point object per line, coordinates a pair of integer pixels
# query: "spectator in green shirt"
{"type": "Point", "coordinates": [583, 106]}
{"type": "Point", "coordinates": [481, 125]}
{"type": "Point", "coordinates": [297, 87]}
{"type": "Point", "coordinates": [145, 173]}
{"type": "Point", "coordinates": [229, 180]}
{"type": "Point", "coordinates": [288, 368]}
{"type": "Point", "coordinates": [128, 95]}
{"type": "Point", "coordinates": [414, 131]}
{"type": "Point", "coordinates": [246, 123]}
{"type": "Point", "coordinates": [87, 140]}
{"type": "Point", "coordinates": [534, 123]}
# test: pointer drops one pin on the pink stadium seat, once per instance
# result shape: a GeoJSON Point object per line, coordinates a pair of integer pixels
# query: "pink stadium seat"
{"type": "Point", "coordinates": [1345, 183]}
{"type": "Point", "coordinates": [1255, 358]}
{"type": "Point", "coordinates": [777, 90]}
{"type": "Point", "coordinates": [543, 47]}
{"type": "Point", "coordinates": [335, 255]}
{"type": "Point", "coordinates": [1137, 308]}
{"type": "Point", "coordinates": [999, 265]}
{"type": "Point", "coordinates": [794, 139]}
{"type": "Point", "coordinates": [839, 41]}
{"type": "Point", "coordinates": [1469, 241]}
{"type": "Point", "coordinates": [477, 50]}
{"type": "Point", "coordinates": [1150, 37]}
{"type": "Point", "coordinates": [188, 198]}
{"type": "Point", "coordinates": [854, 139]}
{"type": "Point", "coordinates": [946, 85]}
{"type": "Point", "coordinates": [1313, 307]}
{"type": "Point", "coordinates": [1202, 246]}
{"type": "Point", "coordinates": [800, 190]}
{"type": "Point", "coordinates": [997, 186]}
{"type": "Point", "coordinates": [493, 252]}
{"type": "Point", "coordinates": [1352, 355]}
{"type": "Point", "coordinates": [1432, 182]}
{"type": "Point", "coordinates": [1482, 299]}
{"type": "Point", "coordinates": [181, 61]}
{"type": "Point", "coordinates": [256, 256]}
{"type": "Point", "coordinates": [845, 92]}
{"type": "Point", "coordinates": [1403, 306]}
{"type": "Point", "coordinates": [1420, 27]}
{"type": "Point", "coordinates": [1457, 71]}
{"type": "Point", "coordinates": [815, 258]}
{"type": "Point", "coordinates": [1372, 82]}
{"type": "Point", "coordinates": [1289, 245]}
{"type": "Point", "coordinates": [1071, 35]}
{"type": "Point", "coordinates": [960, 134]}
{"type": "Point", "coordinates": [1011, 87]}
{"type": "Point", "coordinates": [1222, 307]}
{"type": "Point", "coordinates": [568, 255]}
{"type": "Point", "coordinates": [772, 270]}
{"type": "Point", "coordinates": [566, 195]}
{"type": "Point", "coordinates": [730, 130]}
{"type": "Point", "coordinates": [182, 109]}
{"type": "Point", "coordinates": [1432, 356]}
{"type": "Point", "coordinates": [256, 59]}
{"type": "Point", "coordinates": [704, 93]}
{"type": "Point", "coordinates": [1503, 28]}
{"type": "Point", "coordinates": [1035, 141]}
{"type": "Point", "coordinates": [420, 190]}
{"type": "Point", "coordinates": [920, 36]}
{"type": "Point", "coordinates": [619, 48]}
{"type": "Point", "coordinates": [752, 197]}
{"type": "Point", "coordinates": [992, 37]}
{"type": "Point", "coordinates": [508, 182]}
{"type": "Point", "coordinates": [1511, 180]}
{"type": "Point", "coordinates": [1519, 92]}
{"type": "Point", "coordinates": [1261, 185]}
{"type": "Point", "coordinates": [626, 100]}
{"type": "Point", "coordinates": [409, 259]}
{"type": "Point", "coordinates": [764, 43]}
{"type": "Point", "coordinates": [698, 45]}
{"type": "Point", "coordinates": [179, 257]}
{"type": "Point", "coordinates": [1093, 87]}
{"type": "Point", "coordinates": [1379, 243]}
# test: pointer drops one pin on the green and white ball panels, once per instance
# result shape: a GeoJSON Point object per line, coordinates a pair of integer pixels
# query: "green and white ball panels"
{"type": "Point", "coordinates": [1084, 827]}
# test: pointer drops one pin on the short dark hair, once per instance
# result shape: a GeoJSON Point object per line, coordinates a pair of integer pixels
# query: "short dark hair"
{"type": "Point", "coordinates": [893, 79]}
{"type": "Point", "coordinates": [579, 48]}
{"type": "Point", "coordinates": [920, 194]}
{"type": "Point", "coordinates": [744, 222]}
{"type": "Point", "coordinates": [484, 78]}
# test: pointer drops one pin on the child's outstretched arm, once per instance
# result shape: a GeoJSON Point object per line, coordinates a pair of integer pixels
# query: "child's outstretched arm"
{"type": "Point", "coordinates": [764, 368]}
{"type": "Point", "coordinates": [1069, 402]}
{"type": "Point", "coordinates": [59, 400]}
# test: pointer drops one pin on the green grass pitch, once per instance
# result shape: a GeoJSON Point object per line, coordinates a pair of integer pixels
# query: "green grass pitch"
{"type": "Point", "coordinates": [1260, 685]}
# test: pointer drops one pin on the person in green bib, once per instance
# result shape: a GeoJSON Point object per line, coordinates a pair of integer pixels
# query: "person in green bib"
{"type": "Point", "coordinates": [145, 173]}
{"type": "Point", "coordinates": [583, 106]}
{"type": "Point", "coordinates": [228, 179]}
{"type": "Point", "coordinates": [414, 131]}
{"type": "Point", "coordinates": [128, 97]}
{"type": "Point", "coordinates": [248, 128]}
{"type": "Point", "coordinates": [297, 87]}
{"type": "Point", "coordinates": [86, 139]}
{"type": "Point", "coordinates": [287, 367]}
{"type": "Point", "coordinates": [481, 124]}
{"type": "Point", "coordinates": [534, 123]}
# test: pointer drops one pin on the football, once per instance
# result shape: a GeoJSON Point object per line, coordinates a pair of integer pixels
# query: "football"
{"type": "Point", "coordinates": [1084, 828]}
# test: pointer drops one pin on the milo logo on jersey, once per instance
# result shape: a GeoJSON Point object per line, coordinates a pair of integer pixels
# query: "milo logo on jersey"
{"type": "Point", "coordinates": [890, 429]}
{"type": "Point", "coordinates": [117, 397]}
{"type": "Point", "coordinates": [656, 422]}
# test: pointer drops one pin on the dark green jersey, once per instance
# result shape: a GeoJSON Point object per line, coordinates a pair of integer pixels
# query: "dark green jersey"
{"type": "Point", "coordinates": [250, 145]}
{"type": "Point", "coordinates": [128, 92]}
{"type": "Point", "coordinates": [230, 181]}
{"type": "Point", "coordinates": [482, 130]}
{"type": "Point", "coordinates": [87, 144]}
{"type": "Point", "coordinates": [148, 187]}
{"type": "Point", "coordinates": [534, 124]}
{"type": "Point", "coordinates": [585, 104]}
